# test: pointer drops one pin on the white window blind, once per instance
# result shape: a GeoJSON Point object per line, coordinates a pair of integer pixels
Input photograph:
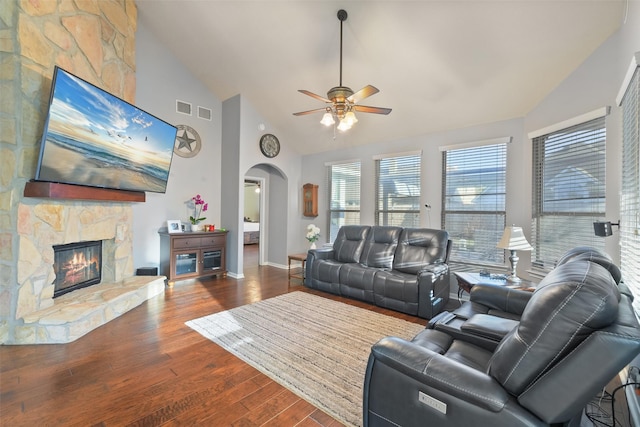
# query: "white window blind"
{"type": "Point", "coordinates": [630, 197]}
{"type": "Point", "coordinates": [474, 193]}
{"type": "Point", "coordinates": [398, 191]}
{"type": "Point", "coordinates": [344, 196]}
{"type": "Point", "coordinates": [569, 190]}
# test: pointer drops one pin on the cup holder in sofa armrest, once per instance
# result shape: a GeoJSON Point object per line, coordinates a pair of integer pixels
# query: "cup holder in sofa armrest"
{"type": "Point", "coordinates": [443, 317]}
{"type": "Point", "coordinates": [485, 325]}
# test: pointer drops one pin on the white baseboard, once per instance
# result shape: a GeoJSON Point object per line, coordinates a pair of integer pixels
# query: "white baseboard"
{"type": "Point", "coordinates": [276, 265]}
{"type": "Point", "coordinates": [234, 275]}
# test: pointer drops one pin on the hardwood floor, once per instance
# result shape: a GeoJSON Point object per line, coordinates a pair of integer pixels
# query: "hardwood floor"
{"type": "Point", "coordinates": [147, 368]}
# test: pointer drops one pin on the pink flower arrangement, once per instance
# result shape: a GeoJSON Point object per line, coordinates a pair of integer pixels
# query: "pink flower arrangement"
{"type": "Point", "coordinates": [200, 207]}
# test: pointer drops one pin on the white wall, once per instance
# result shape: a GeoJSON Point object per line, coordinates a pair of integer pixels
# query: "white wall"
{"type": "Point", "coordinates": [241, 152]}
{"type": "Point", "coordinates": [161, 79]}
{"type": "Point", "coordinates": [287, 205]}
{"type": "Point", "coordinates": [593, 85]}
{"type": "Point", "coordinates": [251, 202]}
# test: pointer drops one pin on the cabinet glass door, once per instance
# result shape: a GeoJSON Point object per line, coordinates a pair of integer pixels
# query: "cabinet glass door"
{"type": "Point", "coordinates": [186, 263]}
{"type": "Point", "coordinates": [211, 260]}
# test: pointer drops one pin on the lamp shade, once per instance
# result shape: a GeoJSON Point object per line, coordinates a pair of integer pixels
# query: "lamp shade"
{"type": "Point", "coordinates": [327, 119]}
{"type": "Point", "coordinates": [513, 239]}
{"type": "Point", "coordinates": [344, 125]}
{"type": "Point", "coordinates": [351, 118]}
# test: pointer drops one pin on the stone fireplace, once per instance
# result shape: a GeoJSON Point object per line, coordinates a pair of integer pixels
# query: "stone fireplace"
{"type": "Point", "coordinates": [96, 41]}
{"type": "Point", "coordinates": [45, 224]}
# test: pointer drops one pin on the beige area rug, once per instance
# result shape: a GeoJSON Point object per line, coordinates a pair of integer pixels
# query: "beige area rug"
{"type": "Point", "coordinates": [316, 347]}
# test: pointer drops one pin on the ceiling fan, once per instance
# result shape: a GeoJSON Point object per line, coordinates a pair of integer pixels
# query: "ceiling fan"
{"type": "Point", "coordinates": [342, 99]}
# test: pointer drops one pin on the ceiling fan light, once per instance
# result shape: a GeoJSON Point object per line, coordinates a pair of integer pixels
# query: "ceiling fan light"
{"type": "Point", "coordinates": [344, 125]}
{"type": "Point", "coordinates": [327, 119]}
{"type": "Point", "coordinates": [351, 118]}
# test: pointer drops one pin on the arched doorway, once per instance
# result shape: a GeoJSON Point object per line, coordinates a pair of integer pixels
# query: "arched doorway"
{"type": "Point", "coordinates": [272, 213]}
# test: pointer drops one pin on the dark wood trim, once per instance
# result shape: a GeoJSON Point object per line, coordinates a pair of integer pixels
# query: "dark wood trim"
{"type": "Point", "coordinates": [54, 190]}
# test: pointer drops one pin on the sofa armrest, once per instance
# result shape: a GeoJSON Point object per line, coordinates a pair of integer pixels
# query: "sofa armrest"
{"type": "Point", "coordinates": [320, 253]}
{"type": "Point", "coordinates": [487, 326]}
{"type": "Point", "coordinates": [433, 289]}
{"type": "Point", "coordinates": [436, 371]}
{"type": "Point", "coordinates": [314, 255]}
{"type": "Point", "coordinates": [500, 297]}
{"type": "Point", "coordinates": [435, 270]}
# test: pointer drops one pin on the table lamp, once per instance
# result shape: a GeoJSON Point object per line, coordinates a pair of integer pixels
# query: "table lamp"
{"type": "Point", "coordinates": [513, 239]}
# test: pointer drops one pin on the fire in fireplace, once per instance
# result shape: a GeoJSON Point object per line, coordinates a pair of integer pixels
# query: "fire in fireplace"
{"type": "Point", "coordinates": [77, 265]}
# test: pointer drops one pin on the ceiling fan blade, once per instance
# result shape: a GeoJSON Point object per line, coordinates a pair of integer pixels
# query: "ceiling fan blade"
{"type": "Point", "coordinates": [303, 113]}
{"type": "Point", "coordinates": [313, 95]}
{"type": "Point", "coordinates": [362, 94]}
{"type": "Point", "coordinates": [376, 110]}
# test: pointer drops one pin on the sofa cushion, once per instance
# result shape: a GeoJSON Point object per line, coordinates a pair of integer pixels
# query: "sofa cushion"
{"type": "Point", "coordinates": [356, 281]}
{"type": "Point", "coordinates": [349, 242]}
{"type": "Point", "coordinates": [420, 247]}
{"type": "Point", "coordinates": [328, 270]}
{"type": "Point", "coordinates": [569, 303]}
{"type": "Point", "coordinates": [459, 350]}
{"type": "Point", "coordinates": [380, 247]}
{"type": "Point", "coordinates": [397, 291]}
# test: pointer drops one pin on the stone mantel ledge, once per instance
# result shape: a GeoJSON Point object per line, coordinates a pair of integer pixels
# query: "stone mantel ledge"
{"type": "Point", "coordinates": [75, 314]}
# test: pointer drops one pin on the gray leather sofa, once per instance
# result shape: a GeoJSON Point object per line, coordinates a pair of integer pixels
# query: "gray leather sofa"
{"type": "Point", "coordinates": [575, 333]}
{"type": "Point", "coordinates": [403, 269]}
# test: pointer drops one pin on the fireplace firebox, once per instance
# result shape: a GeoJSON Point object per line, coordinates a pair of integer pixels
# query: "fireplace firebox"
{"type": "Point", "coordinates": [77, 265]}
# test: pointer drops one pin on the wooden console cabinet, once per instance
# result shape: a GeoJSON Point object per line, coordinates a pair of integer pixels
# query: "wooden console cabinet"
{"type": "Point", "coordinates": [190, 255]}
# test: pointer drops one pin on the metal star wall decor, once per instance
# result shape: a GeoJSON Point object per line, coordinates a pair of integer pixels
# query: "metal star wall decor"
{"type": "Point", "coordinates": [188, 142]}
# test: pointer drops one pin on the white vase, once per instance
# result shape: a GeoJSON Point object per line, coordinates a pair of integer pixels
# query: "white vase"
{"type": "Point", "coordinates": [197, 227]}
{"type": "Point", "coordinates": [313, 245]}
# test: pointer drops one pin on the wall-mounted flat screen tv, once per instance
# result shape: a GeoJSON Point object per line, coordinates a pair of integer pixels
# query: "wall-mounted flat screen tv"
{"type": "Point", "coordinates": [94, 138]}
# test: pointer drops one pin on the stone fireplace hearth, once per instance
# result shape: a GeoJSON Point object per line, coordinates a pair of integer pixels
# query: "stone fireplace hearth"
{"type": "Point", "coordinates": [41, 225]}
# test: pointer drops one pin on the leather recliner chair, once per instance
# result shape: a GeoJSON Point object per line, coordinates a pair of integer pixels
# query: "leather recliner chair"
{"type": "Point", "coordinates": [576, 332]}
{"type": "Point", "coordinates": [494, 310]}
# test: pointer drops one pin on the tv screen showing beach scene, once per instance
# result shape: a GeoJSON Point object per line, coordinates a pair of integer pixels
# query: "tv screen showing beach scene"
{"type": "Point", "coordinates": [94, 138]}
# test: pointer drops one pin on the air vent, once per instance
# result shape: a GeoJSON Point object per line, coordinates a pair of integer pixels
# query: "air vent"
{"type": "Point", "coordinates": [183, 107]}
{"type": "Point", "coordinates": [204, 113]}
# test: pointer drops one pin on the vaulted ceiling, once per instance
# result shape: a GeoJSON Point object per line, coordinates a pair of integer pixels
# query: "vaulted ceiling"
{"type": "Point", "coordinates": [438, 64]}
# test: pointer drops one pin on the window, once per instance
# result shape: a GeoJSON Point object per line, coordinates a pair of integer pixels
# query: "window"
{"type": "Point", "coordinates": [398, 190]}
{"type": "Point", "coordinates": [473, 200]}
{"type": "Point", "coordinates": [630, 197]}
{"type": "Point", "coordinates": [568, 190]}
{"type": "Point", "coordinates": [344, 196]}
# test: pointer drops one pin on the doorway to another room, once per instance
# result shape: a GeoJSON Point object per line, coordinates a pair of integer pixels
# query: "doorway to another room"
{"type": "Point", "coordinates": [252, 221]}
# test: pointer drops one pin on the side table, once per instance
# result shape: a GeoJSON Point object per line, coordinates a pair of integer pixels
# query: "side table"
{"type": "Point", "coordinates": [466, 281]}
{"type": "Point", "coordinates": [295, 273]}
